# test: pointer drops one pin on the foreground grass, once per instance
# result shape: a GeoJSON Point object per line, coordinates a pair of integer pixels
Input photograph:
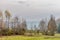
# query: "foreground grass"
{"type": "Point", "coordinates": [40, 37]}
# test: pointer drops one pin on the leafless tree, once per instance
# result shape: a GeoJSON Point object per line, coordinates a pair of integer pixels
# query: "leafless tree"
{"type": "Point", "coordinates": [42, 26]}
{"type": "Point", "coordinates": [23, 26]}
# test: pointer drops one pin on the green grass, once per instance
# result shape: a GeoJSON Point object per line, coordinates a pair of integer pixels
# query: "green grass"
{"type": "Point", "coordinates": [40, 37]}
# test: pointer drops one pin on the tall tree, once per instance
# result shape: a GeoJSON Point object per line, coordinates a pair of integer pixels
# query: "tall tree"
{"type": "Point", "coordinates": [52, 27]}
{"type": "Point", "coordinates": [16, 25]}
{"type": "Point", "coordinates": [8, 15]}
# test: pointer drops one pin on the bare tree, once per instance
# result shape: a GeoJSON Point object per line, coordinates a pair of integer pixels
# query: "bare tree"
{"type": "Point", "coordinates": [42, 26]}
{"type": "Point", "coordinates": [23, 26]}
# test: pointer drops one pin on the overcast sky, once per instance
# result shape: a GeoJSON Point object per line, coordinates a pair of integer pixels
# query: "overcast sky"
{"type": "Point", "coordinates": [32, 9]}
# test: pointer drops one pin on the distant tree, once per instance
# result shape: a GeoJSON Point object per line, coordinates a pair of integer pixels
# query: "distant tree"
{"type": "Point", "coordinates": [23, 26]}
{"type": "Point", "coordinates": [52, 26]}
{"type": "Point", "coordinates": [16, 25]}
{"type": "Point", "coordinates": [35, 29]}
{"type": "Point", "coordinates": [8, 15]}
{"type": "Point", "coordinates": [42, 26]}
{"type": "Point", "coordinates": [12, 27]}
{"type": "Point", "coordinates": [31, 30]}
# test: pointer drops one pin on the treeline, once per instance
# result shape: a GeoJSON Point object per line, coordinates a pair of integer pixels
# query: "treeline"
{"type": "Point", "coordinates": [15, 26]}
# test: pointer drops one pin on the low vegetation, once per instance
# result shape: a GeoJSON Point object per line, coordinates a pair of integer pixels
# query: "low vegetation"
{"type": "Point", "coordinates": [37, 37]}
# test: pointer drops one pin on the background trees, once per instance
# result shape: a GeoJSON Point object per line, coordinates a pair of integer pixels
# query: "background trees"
{"type": "Point", "coordinates": [19, 27]}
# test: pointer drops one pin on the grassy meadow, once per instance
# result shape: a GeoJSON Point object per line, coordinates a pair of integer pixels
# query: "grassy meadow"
{"type": "Point", "coordinates": [40, 37]}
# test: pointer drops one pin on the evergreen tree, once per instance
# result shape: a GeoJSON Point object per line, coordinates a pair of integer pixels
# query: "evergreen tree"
{"type": "Point", "coordinates": [52, 26]}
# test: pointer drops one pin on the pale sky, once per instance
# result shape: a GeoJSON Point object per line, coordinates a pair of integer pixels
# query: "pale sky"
{"type": "Point", "coordinates": [32, 9]}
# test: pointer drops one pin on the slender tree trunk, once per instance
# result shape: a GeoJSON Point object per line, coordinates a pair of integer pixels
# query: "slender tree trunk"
{"type": "Point", "coordinates": [8, 23]}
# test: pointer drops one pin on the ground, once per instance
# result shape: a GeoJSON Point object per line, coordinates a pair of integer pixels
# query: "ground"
{"type": "Point", "coordinates": [40, 37]}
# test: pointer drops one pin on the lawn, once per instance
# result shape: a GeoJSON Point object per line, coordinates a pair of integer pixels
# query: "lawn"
{"type": "Point", "coordinates": [40, 37]}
